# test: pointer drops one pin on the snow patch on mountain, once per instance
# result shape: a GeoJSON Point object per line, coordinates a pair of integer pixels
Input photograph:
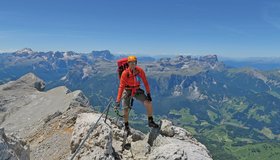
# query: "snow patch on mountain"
{"type": "Point", "coordinates": [24, 51]}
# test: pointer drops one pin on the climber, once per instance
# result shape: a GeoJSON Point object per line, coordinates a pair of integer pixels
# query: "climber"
{"type": "Point", "coordinates": [129, 87]}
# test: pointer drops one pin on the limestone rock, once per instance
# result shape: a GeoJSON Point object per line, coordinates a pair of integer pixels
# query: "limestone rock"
{"type": "Point", "coordinates": [170, 142]}
{"type": "Point", "coordinates": [167, 129]}
{"type": "Point", "coordinates": [24, 108]}
{"type": "Point", "coordinates": [27, 81]}
{"type": "Point", "coordinates": [99, 145]}
{"type": "Point", "coordinates": [12, 149]}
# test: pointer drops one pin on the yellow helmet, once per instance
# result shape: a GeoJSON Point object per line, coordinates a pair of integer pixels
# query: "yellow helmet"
{"type": "Point", "coordinates": [131, 59]}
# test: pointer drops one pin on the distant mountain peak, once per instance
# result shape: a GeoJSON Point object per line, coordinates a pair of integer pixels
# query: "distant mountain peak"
{"type": "Point", "coordinates": [104, 54]}
{"type": "Point", "coordinates": [24, 51]}
{"type": "Point", "coordinates": [210, 58]}
{"type": "Point", "coordinates": [70, 52]}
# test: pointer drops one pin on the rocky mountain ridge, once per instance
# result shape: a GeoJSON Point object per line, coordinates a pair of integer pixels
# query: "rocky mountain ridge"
{"type": "Point", "coordinates": [51, 124]}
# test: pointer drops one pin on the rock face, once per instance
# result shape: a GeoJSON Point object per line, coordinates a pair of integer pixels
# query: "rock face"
{"type": "Point", "coordinates": [26, 111]}
{"type": "Point", "coordinates": [28, 81]}
{"type": "Point", "coordinates": [170, 142]}
{"type": "Point", "coordinates": [99, 145]}
{"type": "Point", "coordinates": [24, 107]}
{"type": "Point", "coordinates": [176, 143]}
{"type": "Point", "coordinates": [11, 148]}
{"type": "Point", "coordinates": [52, 139]}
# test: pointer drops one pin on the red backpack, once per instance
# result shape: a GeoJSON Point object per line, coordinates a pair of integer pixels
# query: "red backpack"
{"type": "Point", "coordinates": [122, 65]}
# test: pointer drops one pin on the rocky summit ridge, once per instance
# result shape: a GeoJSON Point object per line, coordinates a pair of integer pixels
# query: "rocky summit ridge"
{"type": "Point", "coordinates": [38, 124]}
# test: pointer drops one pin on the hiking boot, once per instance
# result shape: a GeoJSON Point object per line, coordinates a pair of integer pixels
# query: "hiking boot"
{"type": "Point", "coordinates": [127, 128]}
{"type": "Point", "coordinates": [152, 123]}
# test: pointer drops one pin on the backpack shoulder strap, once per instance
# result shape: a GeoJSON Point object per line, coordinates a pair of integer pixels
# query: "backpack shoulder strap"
{"type": "Point", "coordinates": [138, 71]}
{"type": "Point", "coordinates": [126, 71]}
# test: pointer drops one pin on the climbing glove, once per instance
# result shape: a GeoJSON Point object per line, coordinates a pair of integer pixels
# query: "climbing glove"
{"type": "Point", "coordinates": [117, 105]}
{"type": "Point", "coordinates": [149, 97]}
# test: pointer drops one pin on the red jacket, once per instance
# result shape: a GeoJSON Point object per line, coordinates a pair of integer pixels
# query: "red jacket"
{"type": "Point", "coordinates": [131, 81]}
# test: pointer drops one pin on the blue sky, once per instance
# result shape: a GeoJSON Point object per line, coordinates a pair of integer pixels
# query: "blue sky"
{"type": "Point", "coordinates": [230, 28]}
